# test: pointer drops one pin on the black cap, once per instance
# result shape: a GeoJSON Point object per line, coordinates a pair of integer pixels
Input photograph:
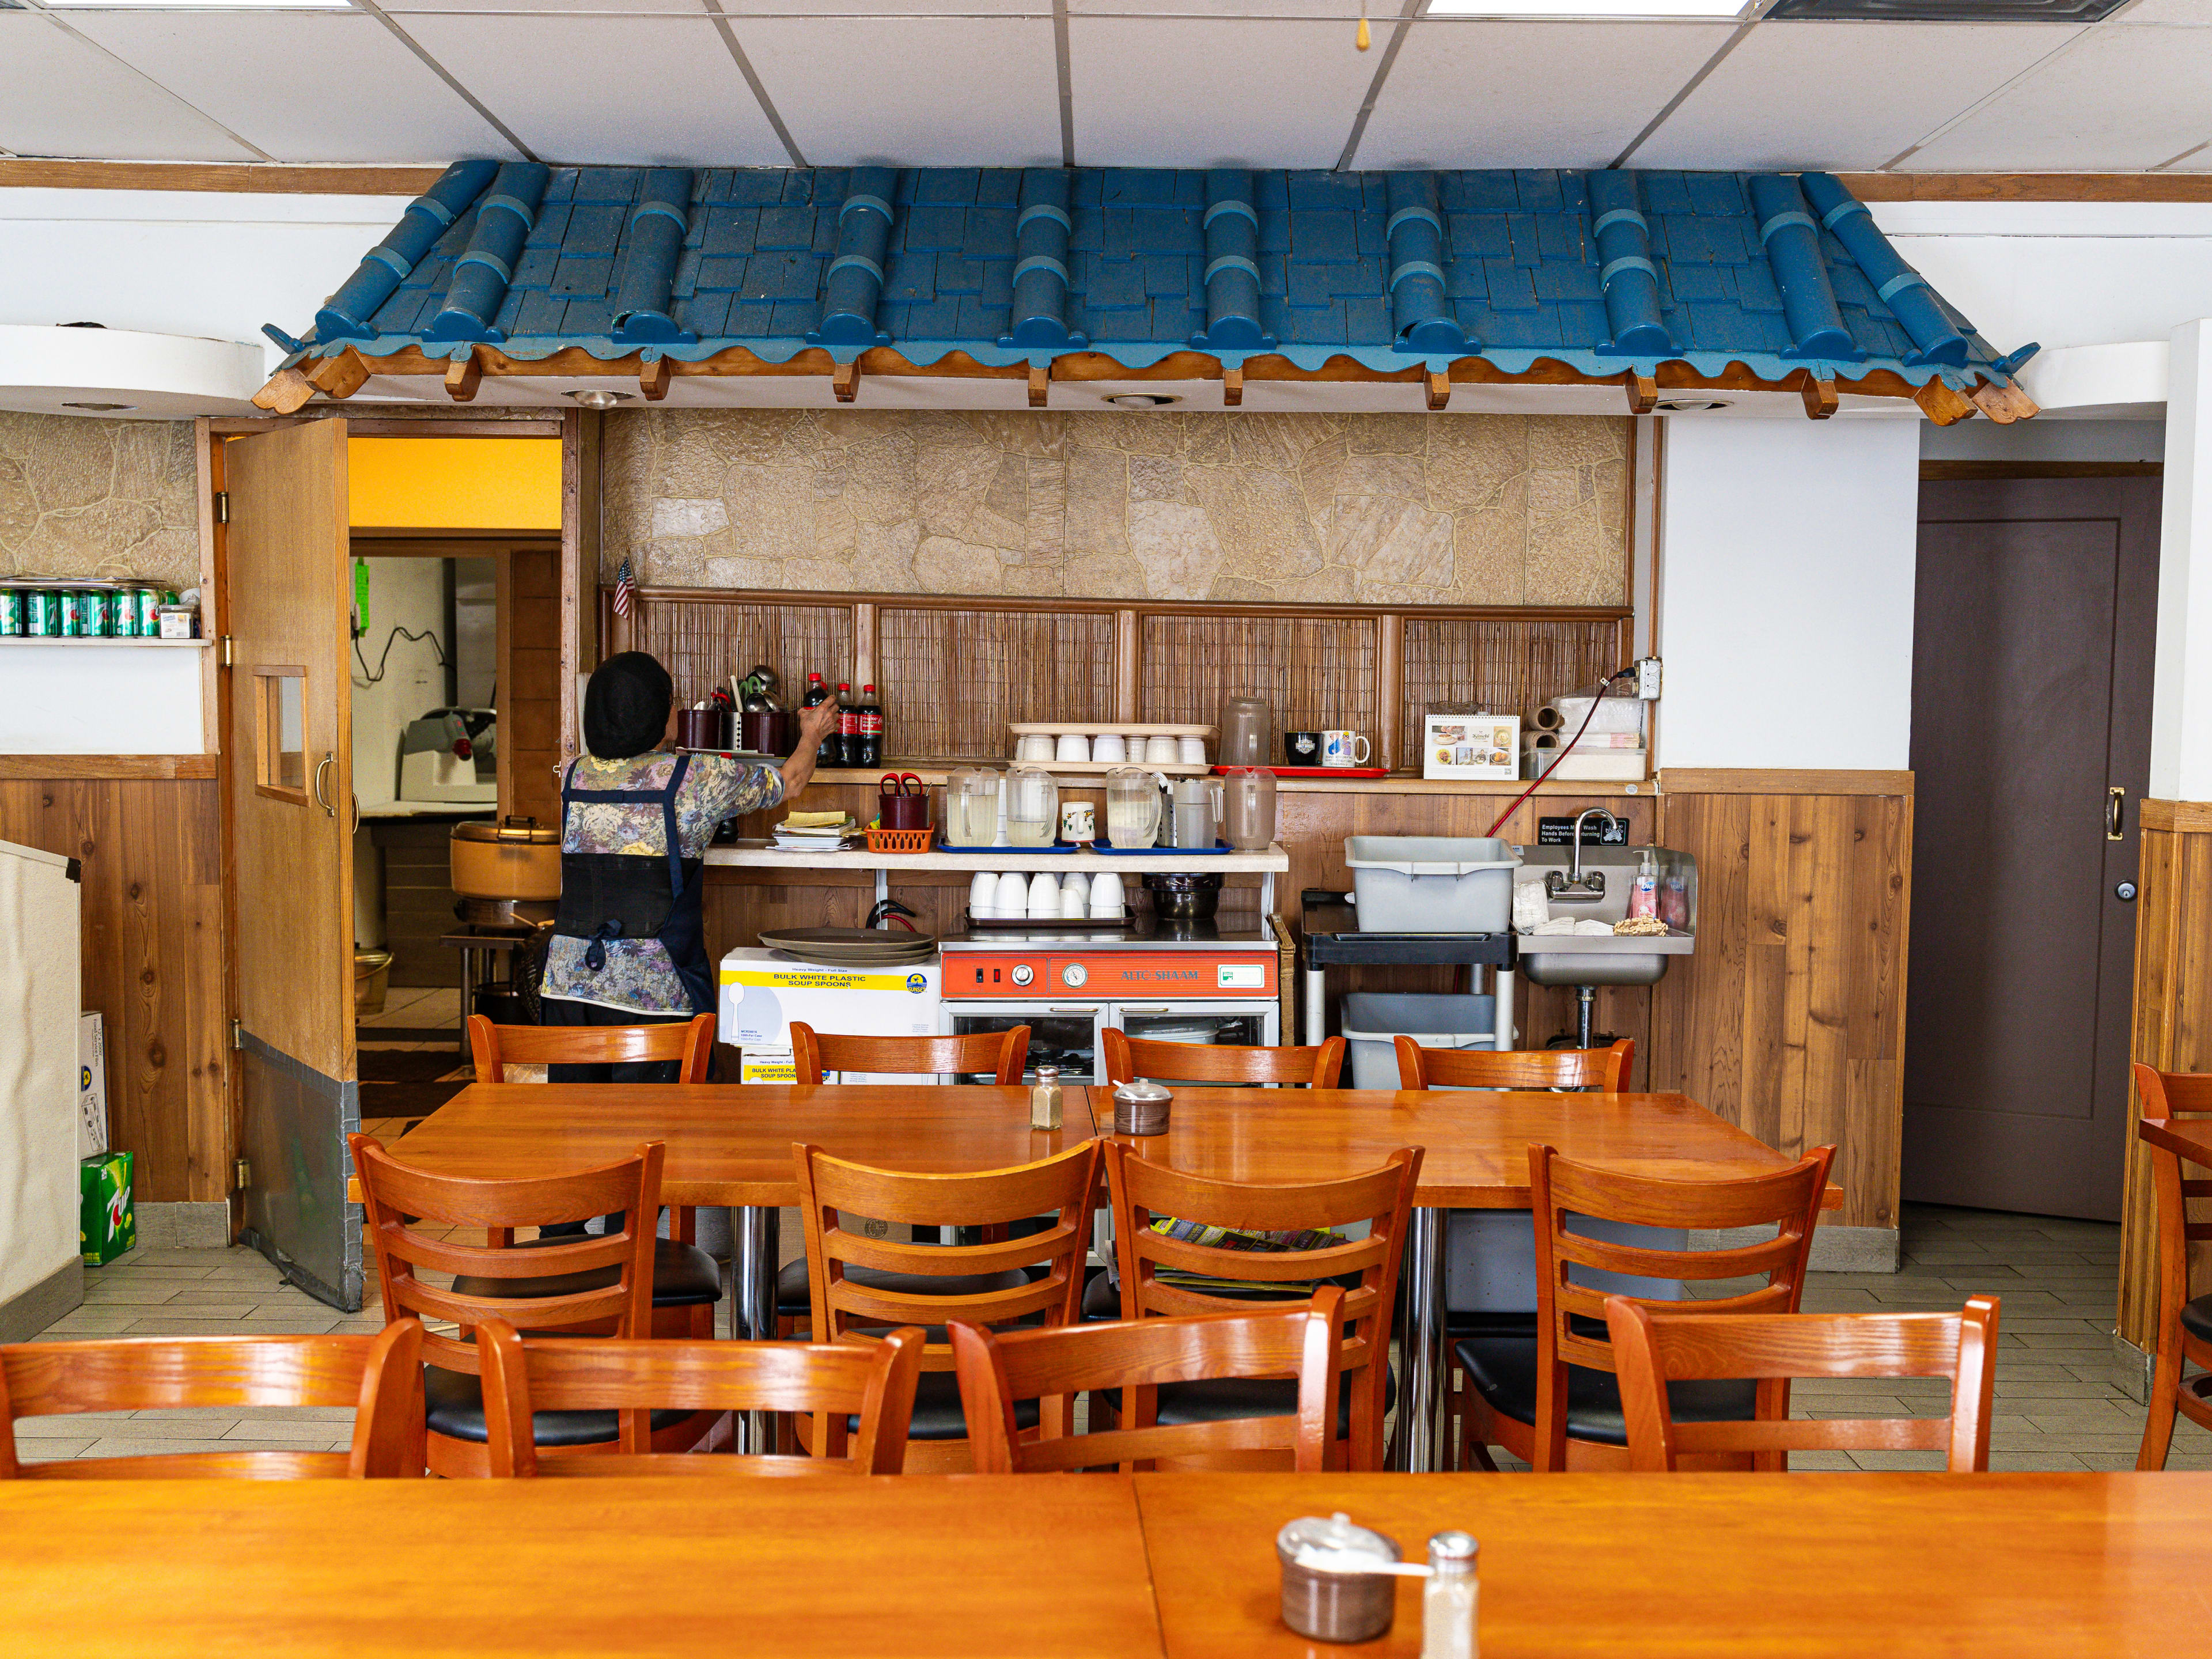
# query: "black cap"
{"type": "Point", "coordinates": [626, 705]}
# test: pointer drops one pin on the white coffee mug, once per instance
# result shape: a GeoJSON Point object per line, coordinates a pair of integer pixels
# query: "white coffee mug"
{"type": "Point", "coordinates": [1191, 750]}
{"type": "Point", "coordinates": [1106, 895]}
{"type": "Point", "coordinates": [1079, 823]}
{"type": "Point", "coordinates": [1162, 751]}
{"type": "Point", "coordinates": [1343, 749]}
{"type": "Point", "coordinates": [1110, 747]}
{"type": "Point", "coordinates": [1073, 746]}
{"type": "Point", "coordinates": [1033, 746]}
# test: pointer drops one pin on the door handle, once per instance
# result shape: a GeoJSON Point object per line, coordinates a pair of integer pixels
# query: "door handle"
{"type": "Point", "coordinates": [322, 766]}
{"type": "Point", "coordinates": [2116, 812]}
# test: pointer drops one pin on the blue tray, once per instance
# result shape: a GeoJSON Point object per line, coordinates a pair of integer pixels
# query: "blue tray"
{"type": "Point", "coordinates": [1112, 851]}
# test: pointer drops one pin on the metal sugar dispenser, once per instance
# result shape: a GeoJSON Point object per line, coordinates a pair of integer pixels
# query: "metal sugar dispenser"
{"type": "Point", "coordinates": [1339, 1581]}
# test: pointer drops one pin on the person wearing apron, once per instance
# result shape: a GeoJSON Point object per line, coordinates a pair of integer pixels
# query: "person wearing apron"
{"type": "Point", "coordinates": [629, 945]}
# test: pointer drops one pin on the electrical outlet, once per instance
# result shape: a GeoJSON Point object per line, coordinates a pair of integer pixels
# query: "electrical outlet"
{"type": "Point", "coordinates": [1647, 679]}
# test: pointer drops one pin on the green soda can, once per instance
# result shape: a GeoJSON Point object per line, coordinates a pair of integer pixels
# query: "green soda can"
{"type": "Point", "coordinates": [98, 607]}
{"type": "Point", "coordinates": [126, 614]}
{"type": "Point", "coordinates": [11, 611]}
{"type": "Point", "coordinates": [149, 626]}
{"type": "Point", "coordinates": [72, 609]}
{"type": "Point", "coordinates": [42, 615]}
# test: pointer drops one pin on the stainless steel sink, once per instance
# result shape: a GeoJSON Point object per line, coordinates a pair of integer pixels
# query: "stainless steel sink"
{"type": "Point", "coordinates": [1588, 959]}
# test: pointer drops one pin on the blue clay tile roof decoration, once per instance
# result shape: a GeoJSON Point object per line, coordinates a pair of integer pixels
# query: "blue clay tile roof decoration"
{"type": "Point", "coordinates": [1602, 271]}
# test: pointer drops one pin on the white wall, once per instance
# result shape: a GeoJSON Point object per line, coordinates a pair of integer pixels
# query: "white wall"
{"type": "Point", "coordinates": [1785, 592]}
{"type": "Point", "coordinates": [410, 593]}
{"type": "Point", "coordinates": [81, 697]}
{"type": "Point", "coordinates": [212, 264]}
{"type": "Point", "coordinates": [2181, 690]}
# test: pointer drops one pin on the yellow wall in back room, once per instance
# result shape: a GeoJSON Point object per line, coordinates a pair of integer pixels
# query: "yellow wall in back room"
{"type": "Point", "coordinates": [454, 483]}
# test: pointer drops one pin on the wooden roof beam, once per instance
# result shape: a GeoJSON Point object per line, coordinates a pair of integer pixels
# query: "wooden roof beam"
{"type": "Point", "coordinates": [2005, 404]}
{"type": "Point", "coordinates": [1642, 392]}
{"type": "Point", "coordinates": [464, 377]}
{"type": "Point", "coordinates": [1943, 404]}
{"type": "Point", "coordinates": [338, 378]}
{"type": "Point", "coordinates": [1040, 384]}
{"type": "Point", "coordinates": [652, 380]}
{"type": "Point", "coordinates": [1232, 388]}
{"type": "Point", "coordinates": [1439, 388]}
{"type": "Point", "coordinates": [1820, 395]}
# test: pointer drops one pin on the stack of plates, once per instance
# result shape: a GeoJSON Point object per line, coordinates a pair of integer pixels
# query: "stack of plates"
{"type": "Point", "coordinates": [852, 947]}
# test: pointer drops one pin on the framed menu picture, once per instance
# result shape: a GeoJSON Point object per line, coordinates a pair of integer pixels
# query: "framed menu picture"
{"type": "Point", "coordinates": [1471, 747]}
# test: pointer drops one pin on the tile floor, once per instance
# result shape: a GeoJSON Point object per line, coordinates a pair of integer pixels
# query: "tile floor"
{"type": "Point", "coordinates": [2057, 1406]}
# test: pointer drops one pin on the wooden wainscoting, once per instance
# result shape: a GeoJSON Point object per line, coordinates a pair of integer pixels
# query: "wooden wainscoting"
{"type": "Point", "coordinates": [153, 961]}
{"type": "Point", "coordinates": [1790, 1018]}
{"type": "Point", "coordinates": [2172, 1025]}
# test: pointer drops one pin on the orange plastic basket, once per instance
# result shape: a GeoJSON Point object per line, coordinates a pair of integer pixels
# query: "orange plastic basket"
{"type": "Point", "coordinates": [898, 841]}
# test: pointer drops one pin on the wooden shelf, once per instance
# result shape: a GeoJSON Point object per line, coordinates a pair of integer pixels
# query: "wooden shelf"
{"type": "Point", "coordinates": [1273, 862]}
{"type": "Point", "coordinates": [102, 639]}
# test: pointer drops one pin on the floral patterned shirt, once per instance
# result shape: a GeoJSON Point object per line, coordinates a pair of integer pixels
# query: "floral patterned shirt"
{"type": "Point", "coordinates": [639, 978]}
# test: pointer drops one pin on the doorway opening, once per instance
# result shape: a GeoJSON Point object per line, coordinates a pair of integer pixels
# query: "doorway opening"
{"type": "Point", "coordinates": [2035, 622]}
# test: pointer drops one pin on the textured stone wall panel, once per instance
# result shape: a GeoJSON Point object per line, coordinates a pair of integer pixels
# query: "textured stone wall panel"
{"type": "Point", "coordinates": [1399, 509]}
{"type": "Point", "coordinates": [82, 497]}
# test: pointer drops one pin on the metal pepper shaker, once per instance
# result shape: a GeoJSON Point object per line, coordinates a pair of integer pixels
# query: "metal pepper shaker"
{"type": "Point", "coordinates": [1045, 1099]}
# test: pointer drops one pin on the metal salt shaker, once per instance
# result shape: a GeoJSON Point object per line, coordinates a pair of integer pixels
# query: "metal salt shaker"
{"type": "Point", "coordinates": [1045, 1098]}
{"type": "Point", "coordinates": [1448, 1600]}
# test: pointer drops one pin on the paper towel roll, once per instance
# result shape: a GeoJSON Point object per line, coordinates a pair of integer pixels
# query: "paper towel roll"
{"type": "Point", "coordinates": [1613, 714]}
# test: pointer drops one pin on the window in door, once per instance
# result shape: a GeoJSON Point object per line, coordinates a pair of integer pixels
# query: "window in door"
{"type": "Point", "coordinates": [280, 728]}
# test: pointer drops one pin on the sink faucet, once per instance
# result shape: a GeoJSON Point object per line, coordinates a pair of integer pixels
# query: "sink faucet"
{"type": "Point", "coordinates": [1576, 887]}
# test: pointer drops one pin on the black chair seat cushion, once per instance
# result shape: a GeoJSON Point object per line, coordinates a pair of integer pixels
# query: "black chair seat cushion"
{"type": "Point", "coordinates": [683, 1276]}
{"type": "Point", "coordinates": [453, 1407]}
{"type": "Point", "coordinates": [1502, 1370]}
{"type": "Point", "coordinates": [937, 1413]}
{"type": "Point", "coordinates": [794, 1300]}
{"type": "Point", "coordinates": [2197, 1318]}
{"type": "Point", "coordinates": [1225, 1399]}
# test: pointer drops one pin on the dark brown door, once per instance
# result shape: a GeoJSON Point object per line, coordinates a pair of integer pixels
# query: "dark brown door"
{"type": "Point", "coordinates": [2034, 625]}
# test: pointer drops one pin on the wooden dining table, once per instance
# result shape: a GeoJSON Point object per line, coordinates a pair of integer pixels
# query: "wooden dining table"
{"type": "Point", "coordinates": [1099, 1566]}
{"type": "Point", "coordinates": [731, 1144]}
{"type": "Point", "coordinates": [1653, 1566]}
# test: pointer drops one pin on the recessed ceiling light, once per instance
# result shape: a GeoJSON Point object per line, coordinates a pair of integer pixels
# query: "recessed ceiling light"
{"type": "Point", "coordinates": [1141, 399]}
{"type": "Point", "coordinates": [1604, 9]}
{"type": "Point", "coordinates": [593, 397]}
{"type": "Point", "coordinates": [1689, 406]}
{"type": "Point", "coordinates": [100, 409]}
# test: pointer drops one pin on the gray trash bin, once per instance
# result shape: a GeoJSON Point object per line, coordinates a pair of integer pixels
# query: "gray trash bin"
{"type": "Point", "coordinates": [1373, 1019]}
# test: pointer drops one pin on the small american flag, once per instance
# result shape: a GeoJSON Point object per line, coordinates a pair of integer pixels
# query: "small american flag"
{"type": "Point", "coordinates": [622, 590]}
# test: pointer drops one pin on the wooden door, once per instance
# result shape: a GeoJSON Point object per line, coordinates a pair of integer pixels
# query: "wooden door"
{"type": "Point", "coordinates": [289, 753]}
{"type": "Point", "coordinates": [2034, 627]}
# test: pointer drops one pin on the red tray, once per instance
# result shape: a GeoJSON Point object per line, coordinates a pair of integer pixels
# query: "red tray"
{"type": "Point", "coordinates": [1319, 771]}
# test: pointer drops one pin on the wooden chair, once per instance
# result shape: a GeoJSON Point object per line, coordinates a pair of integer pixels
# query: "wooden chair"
{"type": "Point", "coordinates": [1234, 1278]}
{"type": "Point", "coordinates": [580, 1284]}
{"type": "Point", "coordinates": [998, 1369]}
{"type": "Point", "coordinates": [861, 1286]}
{"type": "Point", "coordinates": [687, 1283]}
{"type": "Point", "coordinates": [1603, 1069]}
{"type": "Point", "coordinates": [380, 1376]}
{"type": "Point", "coordinates": [1654, 1349]}
{"type": "Point", "coordinates": [1128, 1058]}
{"type": "Point", "coordinates": [1000, 1053]}
{"type": "Point", "coordinates": [1552, 1399]}
{"type": "Point", "coordinates": [2184, 1324]}
{"type": "Point", "coordinates": [875, 1384]}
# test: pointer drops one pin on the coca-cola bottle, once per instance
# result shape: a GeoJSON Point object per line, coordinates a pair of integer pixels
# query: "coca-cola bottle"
{"type": "Point", "coordinates": [816, 692]}
{"type": "Point", "coordinates": [847, 751]}
{"type": "Point", "coordinates": [871, 730]}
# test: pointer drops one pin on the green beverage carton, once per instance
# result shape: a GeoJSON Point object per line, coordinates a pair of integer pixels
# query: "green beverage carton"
{"type": "Point", "coordinates": [106, 1224]}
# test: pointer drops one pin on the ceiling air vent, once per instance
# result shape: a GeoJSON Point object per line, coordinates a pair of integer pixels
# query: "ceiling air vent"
{"type": "Point", "coordinates": [1951, 11]}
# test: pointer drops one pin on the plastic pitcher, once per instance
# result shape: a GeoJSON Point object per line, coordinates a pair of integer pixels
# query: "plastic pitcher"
{"type": "Point", "coordinates": [1248, 808]}
{"type": "Point", "coordinates": [1032, 807]}
{"type": "Point", "coordinates": [1133, 807]}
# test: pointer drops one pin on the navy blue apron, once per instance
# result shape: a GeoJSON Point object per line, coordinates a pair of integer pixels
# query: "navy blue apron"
{"type": "Point", "coordinates": [610, 895]}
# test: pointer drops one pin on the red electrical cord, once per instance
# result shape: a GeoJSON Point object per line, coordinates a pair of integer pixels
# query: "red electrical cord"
{"type": "Point", "coordinates": [1603, 686]}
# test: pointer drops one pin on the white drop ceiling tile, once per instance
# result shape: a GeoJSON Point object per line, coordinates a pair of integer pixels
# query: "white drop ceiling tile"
{"type": "Point", "coordinates": [303, 86]}
{"type": "Point", "coordinates": [2121, 100]}
{"type": "Point", "coordinates": [1489, 94]}
{"type": "Point", "coordinates": [1841, 95]}
{"type": "Point", "coordinates": [620, 90]}
{"type": "Point", "coordinates": [916, 92]}
{"type": "Point", "coordinates": [2185, 14]}
{"type": "Point", "coordinates": [60, 95]}
{"type": "Point", "coordinates": [1152, 93]}
{"type": "Point", "coordinates": [832, 9]}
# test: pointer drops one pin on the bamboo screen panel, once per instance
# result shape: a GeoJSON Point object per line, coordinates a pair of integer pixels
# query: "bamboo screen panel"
{"type": "Point", "coordinates": [1509, 666]}
{"type": "Point", "coordinates": [703, 641]}
{"type": "Point", "coordinates": [1314, 673]}
{"type": "Point", "coordinates": [951, 680]}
